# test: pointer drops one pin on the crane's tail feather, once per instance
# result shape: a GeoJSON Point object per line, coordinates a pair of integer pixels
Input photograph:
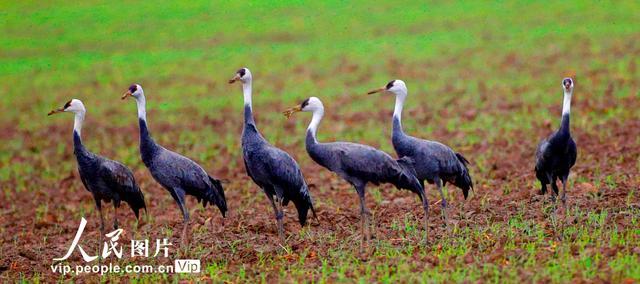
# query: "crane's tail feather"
{"type": "Point", "coordinates": [216, 196]}
{"type": "Point", "coordinates": [462, 159]}
{"type": "Point", "coordinates": [407, 178]}
{"type": "Point", "coordinates": [303, 203]}
{"type": "Point", "coordinates": [463, 179]}
{"type": "Point", "coordinates": [136, 201]}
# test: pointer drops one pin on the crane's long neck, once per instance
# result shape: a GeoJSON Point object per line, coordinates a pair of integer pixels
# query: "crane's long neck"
{"type": "Point", "coordinates": [248, 111]}
{"type": "Point", "coordinates": [77, 130]}
{"type": "Point", "coordinates": [141, 102]}
{"type": "Point", "coordinates": [566, 111]}
{"type": "Point", "coordinates": [147, 145]}
{"type": "Point", "coordinates": [397, 114]}
{"type": "Point", "coordinates": [312, 130]}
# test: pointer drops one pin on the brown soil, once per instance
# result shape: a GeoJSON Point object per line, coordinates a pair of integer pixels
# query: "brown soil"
{"type": "Point", "coordinates": [508, 187]}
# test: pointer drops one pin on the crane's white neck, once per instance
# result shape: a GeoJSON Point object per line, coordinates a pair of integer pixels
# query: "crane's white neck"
{"type": "Point", "coordinates": [315, 121]}
{"type": "Point", "coordinates": [141, 102]}
{"type": "Point", "coordinates": [246, 91]}
{"type": "Point", "coordinates": [397, 112]}
{"type": "Point", "coordinates": [566, 104]}
{"type": "Point", "coordinates": [77, 121]}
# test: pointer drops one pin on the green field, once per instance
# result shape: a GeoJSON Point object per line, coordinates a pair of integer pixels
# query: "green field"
{"type": "Point", "coordinates": [483, 78]}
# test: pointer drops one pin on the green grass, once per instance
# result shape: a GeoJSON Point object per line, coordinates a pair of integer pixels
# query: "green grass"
{"type": "Point", "coordinates": [469, 55]}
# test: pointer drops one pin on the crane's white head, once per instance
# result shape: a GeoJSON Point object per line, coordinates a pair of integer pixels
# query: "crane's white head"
{"type": "Point", "coordinates": [135, 91]}
{"type": "Point", "coordinates": [312, 104]}
{"type": "Point", "coordinates": [74, 105]}
{"type": "Point", "coordinates": [243, 75]}
{"type": "Point", "coordinates": [396, 87]}
{"type": "Point", "coordinates": [567, 85]}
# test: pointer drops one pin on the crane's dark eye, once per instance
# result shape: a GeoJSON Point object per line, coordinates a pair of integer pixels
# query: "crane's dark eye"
{"type": "Point", "coordinates": [133, 88]}
{"type": "Point", "coordinates": [304, 104]}
{"type": "Point", "coordinates": [241, 72]}
{"type": "Point", "coordinates": [567, 82]}
{"type": "Point", "coordinates": [68, 104]}
{"type": "Point", "coordinates": [390, 84]}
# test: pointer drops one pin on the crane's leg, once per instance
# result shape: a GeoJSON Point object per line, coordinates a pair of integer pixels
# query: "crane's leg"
{"type": "Point", "coordinates": [115, 216]}
{"type": "Point", "coordinates": [276, 204]}
{"type": "Point", "coordinates": [364, 214]}
{"type": "Point", "coordinates": [185, 221]}
{"type": "Point", "coordinates": [554, 186]}
{"type": "Point", "coordinates": [543, 191]}
{"type": "Point", "coordinates": [179, 196]}
{"type": "Point", "coordinates": [563, 198]}
{"type": "Point", "coordinates": [556, 192]}
{"type": "Point", "coordinates": [444, 201]}
{"type": "Point", "coordinates": [99, 206]}
{"type": "Point", "coordinates": [280, 218]}
{"type": "Point", "coordinates": [101, 218]}
{"type": "Point", "coordinates": [279, 211]}
{"type": "Point", "coordinates": [425, 207]}
{"type": "Point", "coordinates": [543, 187]}
{"type": "Point", "coordinates": [550, 180]}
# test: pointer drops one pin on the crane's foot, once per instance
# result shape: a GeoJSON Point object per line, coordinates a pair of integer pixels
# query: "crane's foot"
{"type": "Point", "coordinates": [368, 224]}
{"type": "Point", "coordinates": [184, 239]}
{"type": "Point", "coordinates": [445, 217]}
{"type": "Point", "coordinates": [361, 235]}
{"type": "Point", "coordinates": [363, 231]}
{"type": "Point", "coordinates": [280, 223]}
{"type": "Point", "coordinates": [426, 231]}
{"type": "Point", "coordinates": [281, 234]}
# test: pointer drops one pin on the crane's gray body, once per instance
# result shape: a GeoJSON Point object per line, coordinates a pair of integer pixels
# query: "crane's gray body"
{"type": "Point", "coordinates": [107, 180]}
{"type": "Point", "coordinates": [179, 175]}
{"type": "Point", "coordinates": [433, 161]}
{"type": "Point", "coordinates": [273, 170]}
{"type": "Point", "coordinates": [360, 164]}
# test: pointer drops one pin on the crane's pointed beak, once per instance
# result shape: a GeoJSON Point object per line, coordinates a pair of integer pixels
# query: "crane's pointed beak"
{"type": "Point", "coordinates": [289, 112]}
{"type": "Point", "coordinates": [234, 79]}
{"type": "Point", "coordinates": [378, 90]}
{"type": "Point", "coordinates": [56, 111]}
{"type": "Point", "coordinates": [125, 95]}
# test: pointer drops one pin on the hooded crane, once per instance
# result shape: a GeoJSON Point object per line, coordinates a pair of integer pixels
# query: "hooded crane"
{"type": "Point", "coordinates": [176, 173]}
{"type": "Point", "coordinates": [270, 168]}
{"type": "Point", "coordinates": [358, 164]}
{"type": "Point", "coordinates": [106, 179]}
{"type": "Point", "coordinates": [557, 154]}
{"type": "Point", "coordinates": [433, 161]}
